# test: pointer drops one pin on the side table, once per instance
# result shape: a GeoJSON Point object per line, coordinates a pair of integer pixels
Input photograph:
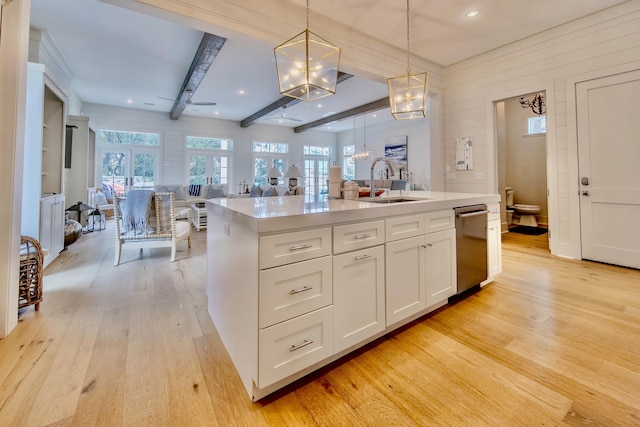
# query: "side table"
{"type": "Point", "coordinates": [198, 216]}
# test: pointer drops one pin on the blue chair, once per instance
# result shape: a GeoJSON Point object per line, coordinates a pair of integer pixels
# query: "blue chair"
{"type": "Point", "coordinates": [398, 184]}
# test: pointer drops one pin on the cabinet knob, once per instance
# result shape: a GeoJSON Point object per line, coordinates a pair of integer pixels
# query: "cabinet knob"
{"type": "Point", "coordinates": [428, 245]}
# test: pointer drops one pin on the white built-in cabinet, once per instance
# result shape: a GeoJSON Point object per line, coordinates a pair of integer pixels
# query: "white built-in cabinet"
{"type": "Point", "coordinates": [42, 202]}
{"type": "Point", "coordinates": [420, 263]}
{"type": "Point", "coordinates": [52, 226]}
{"type": "Point", "coordinates": [494, 242]}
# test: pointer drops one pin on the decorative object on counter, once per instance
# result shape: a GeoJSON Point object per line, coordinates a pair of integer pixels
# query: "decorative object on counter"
{"type": "Point", "coordinates": [536, 104]}
{"type": "Point", "coordinates": [30, 274]}
{"type": "Point", "coordinates": [366, 192]}
{"type": "Point", "coordinates": [408, 93]}
{"type": "Point", "coordinates": [350, 190]}
{"type": "Point", "coordinates": [307, 66]}
{"type": "Point", "coordinates": [464, 154]}
{"type": "Point", "coordinates": [335, 181]}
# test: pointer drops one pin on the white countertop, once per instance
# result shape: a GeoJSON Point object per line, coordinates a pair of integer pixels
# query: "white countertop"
{"type": "Point", "coordinates": [286, 213]}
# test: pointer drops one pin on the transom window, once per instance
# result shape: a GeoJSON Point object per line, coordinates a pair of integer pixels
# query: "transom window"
{"type": "Point", "coordinates": [205, 143]}
{"type": "Point", "coordinates": [128, 138]}
{"type": "Point", "coordinates": [316, 150]}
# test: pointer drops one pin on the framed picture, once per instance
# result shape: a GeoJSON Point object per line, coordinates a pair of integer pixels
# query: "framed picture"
{"type": "Point", "coordinates": [395, 150]}
{"type": "Point", "coordinates": [464, 154]}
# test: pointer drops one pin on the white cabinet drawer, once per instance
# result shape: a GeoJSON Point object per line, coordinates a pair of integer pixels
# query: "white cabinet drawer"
{"type": "Point", "coordinates": [404, 226]}
{"type": "Point", "coordinates": [494, 211]}
{"type": "Point", "coordinates": [281, 249]}
{"type": "Point", "coordinates": [294, 289]}
{"type": "Point", "coordinates": [439, 220]}
{"type": "Point", "coordinates": [291, 346]}
{"type": "Point", "coordinates": [357, 236]}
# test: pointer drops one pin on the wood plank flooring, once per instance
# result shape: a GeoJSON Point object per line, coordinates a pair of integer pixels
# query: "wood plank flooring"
{"type": "Point", "coordinates": [550, 342]}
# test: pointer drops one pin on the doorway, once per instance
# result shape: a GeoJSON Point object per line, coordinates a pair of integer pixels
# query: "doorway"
{"type": "Point", "coordinates": [522, 161]}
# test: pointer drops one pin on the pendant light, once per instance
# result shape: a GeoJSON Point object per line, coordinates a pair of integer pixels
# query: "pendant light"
{"type": "Point", "coordinates": [362, 154]}
{"type": "Point", "coordinates": [408, 93]}
{"type": "Point", "coordinates": [307, 66]}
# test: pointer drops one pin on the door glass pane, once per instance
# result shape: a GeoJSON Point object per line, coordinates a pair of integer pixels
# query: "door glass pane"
{"type": "Point", "coordinates": [144, 167]}
{"type": "Point", "coordinates": [114, 171]}
{"type": "Point", "coordinates": [323, 176]}
{"type": "Point", "coordinates": [310, 177]}
{"type": "Point", "coordinates": [197, 169]}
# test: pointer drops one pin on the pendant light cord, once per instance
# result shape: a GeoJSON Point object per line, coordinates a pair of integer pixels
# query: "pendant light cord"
{"type": "Point", "coordinates": [308, 14]}
{"type": "Point", "coordinates": [408, 57]}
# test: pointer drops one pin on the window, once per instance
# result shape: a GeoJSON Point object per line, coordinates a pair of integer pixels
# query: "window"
{"type": "Point", "coordinates": [536, 125]}
{"type": "Point", "coordinates": [204, 143]}
{"type": "Point", "coordinates": [128, 138]}
{"type": "Point", "coordinates": [348, 165]}
{"type": "Point", "coordinates": [315, 150]}
{"type": "Point", "coordinates": [208, 160]}
{"type": "Point", "coordinates": [267, 155]}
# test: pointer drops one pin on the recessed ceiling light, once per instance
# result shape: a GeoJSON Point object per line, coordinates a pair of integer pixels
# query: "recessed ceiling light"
{"type": "Point", "coordinates": [129, 101]}
{"type": "Point", "coordinates": [319, 105]}
{"type": "Point", "coordinates": [472, 13]}
{"type": "Point", "coordinates": [215, 113]}
{"type": "Point", "coordinates": [374, 116]}
{"type": "Point", "coordinates": [241, 91]}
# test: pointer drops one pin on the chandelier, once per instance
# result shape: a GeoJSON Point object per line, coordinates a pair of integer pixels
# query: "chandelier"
{"type": "Point", "coordinates": [536, 104]}
{"type": "Point", "coordinates": [307, 66]}
{"type": "Point", "coordinates": [408, 93]}
{"type": "Point", "coordinates": [363, 153]}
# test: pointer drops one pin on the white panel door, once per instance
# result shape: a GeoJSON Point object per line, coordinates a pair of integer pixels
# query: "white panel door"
{"type": "Point", "coordinates": [609, 159]}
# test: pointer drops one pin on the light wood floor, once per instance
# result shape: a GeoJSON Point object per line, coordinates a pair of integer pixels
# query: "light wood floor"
{"type": "Point", "coordinates": [550, 342]}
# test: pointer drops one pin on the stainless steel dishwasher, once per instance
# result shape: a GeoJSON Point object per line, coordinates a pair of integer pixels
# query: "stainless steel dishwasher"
{"type": "Point", "coordinates": [471, 245]}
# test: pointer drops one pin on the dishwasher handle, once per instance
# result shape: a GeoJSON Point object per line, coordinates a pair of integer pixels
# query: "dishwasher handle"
{"type": "Point", "coordinates": [474, 213]}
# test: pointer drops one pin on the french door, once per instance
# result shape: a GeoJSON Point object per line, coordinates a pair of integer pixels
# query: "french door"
{"type": "Point", "coordinates": [208, 168]}
{"type": "Point", "coordinates": [316, 176]}
{"type": "Point", "coordinates": [608, 129]}
{"type": "Point", "coordinates": [127, 169]}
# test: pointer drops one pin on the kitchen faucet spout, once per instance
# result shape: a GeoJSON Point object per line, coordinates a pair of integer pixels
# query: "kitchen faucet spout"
{"type": "Point", "coordinates": [372, 187]}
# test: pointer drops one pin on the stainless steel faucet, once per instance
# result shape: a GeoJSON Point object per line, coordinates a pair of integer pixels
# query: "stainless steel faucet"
{"type": "Point", "coordinates": [372, 187]}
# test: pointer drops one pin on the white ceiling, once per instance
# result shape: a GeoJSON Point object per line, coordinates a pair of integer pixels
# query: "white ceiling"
{"type": "Point", "coordinates": [119, 56]}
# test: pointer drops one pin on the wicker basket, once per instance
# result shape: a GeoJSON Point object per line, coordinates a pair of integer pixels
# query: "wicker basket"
{"type": "Point", "coordinates": [31, 259]}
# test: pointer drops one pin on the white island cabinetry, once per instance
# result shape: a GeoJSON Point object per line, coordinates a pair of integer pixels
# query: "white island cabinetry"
{"type": "Point", "coordinates": [293, 285]}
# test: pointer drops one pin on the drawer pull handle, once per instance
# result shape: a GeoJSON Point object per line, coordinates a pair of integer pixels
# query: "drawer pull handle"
{"type": "Point", "coordinates": [361, 257]}
{"type": "Point", "coordinates": [428, 245]}
{"type": "Point", "coordinates": [302, 289]}
{"type": "Point", "coordinates": [362, 236]}
{"type": "Point", "coordinates": [298, 347]}
{"type": "Point", "coordinates": [298, 248]}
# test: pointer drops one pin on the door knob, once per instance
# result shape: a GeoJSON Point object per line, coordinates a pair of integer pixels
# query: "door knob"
{"type": "Point", "coordinates": [584, 180]}
{"type": "Point", "coordinates": [586, 193]}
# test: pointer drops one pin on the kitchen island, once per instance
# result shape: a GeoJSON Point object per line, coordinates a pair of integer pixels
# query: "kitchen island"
{"type": "Point", "coordinates": [294, 284]}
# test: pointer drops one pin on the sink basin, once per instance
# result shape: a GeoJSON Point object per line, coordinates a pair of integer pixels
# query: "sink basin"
{"type": "Point", "coordinates": [388, 200]}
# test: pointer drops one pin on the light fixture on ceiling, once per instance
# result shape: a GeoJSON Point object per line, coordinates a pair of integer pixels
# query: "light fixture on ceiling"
{"type": "Point", "coordinates": [408, 93]}
{"type": "Point", "coordinates": [363, 153]}
{"type": "Point", "coordinates": [536, 104]}
{"type": "Point", "coordinates": [307, 66]}
{"type": "Point", "coordinates": [472, 13]}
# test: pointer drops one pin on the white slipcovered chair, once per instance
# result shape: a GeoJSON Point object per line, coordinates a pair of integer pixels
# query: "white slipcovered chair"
{"type": "Point", "coordinates": [162, 230]}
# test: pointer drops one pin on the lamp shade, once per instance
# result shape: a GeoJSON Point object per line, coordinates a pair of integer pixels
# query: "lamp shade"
{"type": "Point", "coordinates": [274, 173]}
{"type": "Point", "coordinates": [293, 172]}
{"type": "Point", "coordinates": [307, 66]}
{"type": "Point", "coordinates": [408, 96]}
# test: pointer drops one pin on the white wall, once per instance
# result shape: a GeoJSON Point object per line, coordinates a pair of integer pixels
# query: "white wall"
{"type": "Point", "coordinates": [173, 133]}
{"type": "Point", "coordinates": [553, 61]}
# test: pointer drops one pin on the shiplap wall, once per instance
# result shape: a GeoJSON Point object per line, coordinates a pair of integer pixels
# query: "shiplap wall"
{"type": "Point", "coordinates": [602, 44]}
{"type": "Point", "coordinates": [173, 168]}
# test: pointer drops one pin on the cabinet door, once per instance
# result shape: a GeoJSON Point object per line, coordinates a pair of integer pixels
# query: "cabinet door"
{"type": "Point", "coordinates": [358, 296]}
{"type": "Point", "coordinates": [406, 280]}
{"type": "Point", "coordinates": [441, 266]}
{"type": "Point", "coordinates": [494, 249]}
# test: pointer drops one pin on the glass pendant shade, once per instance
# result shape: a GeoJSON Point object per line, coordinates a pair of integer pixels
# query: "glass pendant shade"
{"type": "Point", "coordinates": [408, 96]}
{"type": "Point", "coordinates": [307, 66]}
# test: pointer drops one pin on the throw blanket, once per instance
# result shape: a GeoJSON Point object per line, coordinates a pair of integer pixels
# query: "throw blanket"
{"type": "Point", "coordinates": [194, 189]}
{"type": "Point", "coordinates": [136, 211]}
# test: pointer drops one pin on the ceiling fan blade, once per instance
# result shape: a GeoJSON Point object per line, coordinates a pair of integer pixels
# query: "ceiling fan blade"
{"type": "Point", "coordinates": [167, 99]}
{"type": "Point", "coordinates": [203, 103]}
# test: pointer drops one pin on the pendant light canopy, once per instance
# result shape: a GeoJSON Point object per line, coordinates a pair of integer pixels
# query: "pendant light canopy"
{"type": "Point", "coordinates": [408, 93]}
{"type": "Point", "coordinates": [307, 66]}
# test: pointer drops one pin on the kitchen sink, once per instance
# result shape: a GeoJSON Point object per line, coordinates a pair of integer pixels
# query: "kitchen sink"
{"type": "Point", "coordinates": [388, 200]}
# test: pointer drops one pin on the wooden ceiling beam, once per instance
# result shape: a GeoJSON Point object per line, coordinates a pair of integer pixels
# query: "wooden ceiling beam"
{"type": "Point", "coordinates": [356, 111]}
{"type": "Point", "coordinates": [210, 46]}
{"type": "Point", "coordinates": [285, 100]}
